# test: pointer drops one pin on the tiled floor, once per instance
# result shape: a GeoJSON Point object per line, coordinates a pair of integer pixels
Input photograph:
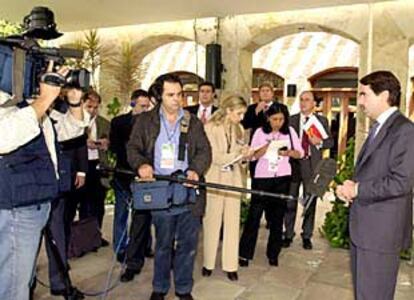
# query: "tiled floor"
{"type": "Point", "coordinates": [319, 274]}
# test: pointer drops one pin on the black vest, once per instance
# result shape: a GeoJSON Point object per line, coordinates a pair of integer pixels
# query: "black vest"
{"type": "Point", "coordinates": [27, 175]}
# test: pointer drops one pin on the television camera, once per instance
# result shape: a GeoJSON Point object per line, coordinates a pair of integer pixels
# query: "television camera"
{"type": "Point", "coordinates": [23, 62]}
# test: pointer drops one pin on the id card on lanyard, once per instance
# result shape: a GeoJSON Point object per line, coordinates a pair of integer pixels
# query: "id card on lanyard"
{"type": "Point", "coordinates": [167, 155]}
{"type": "Point", "coordinates": [168, 148]}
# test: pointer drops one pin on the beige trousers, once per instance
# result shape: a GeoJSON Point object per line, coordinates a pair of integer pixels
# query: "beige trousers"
{"type": "Point", "coordinates": [222, 207]}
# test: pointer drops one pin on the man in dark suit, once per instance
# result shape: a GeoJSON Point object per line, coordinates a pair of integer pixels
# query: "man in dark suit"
{"type": "Point", "coordinates": [139, 239]}
{"type": "Point", "coordinates": [303, 169]}
{"type": "Point", "coordinates": [93, 202]}
{"type": "Point", "coordinates": [205, 108]}
{"type": "Point", "coordinates": [255, 115]}
{"type": "Point", "coordinates": [70, 123]}
{"type": "Point", "coordinates": [380, 192]}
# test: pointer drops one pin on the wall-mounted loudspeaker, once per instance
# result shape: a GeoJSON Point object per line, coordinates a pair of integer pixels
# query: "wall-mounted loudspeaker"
{"type": "Point", "coordinates": [291, 90]}
{"type": "Point", "coordinates": [214, 67]}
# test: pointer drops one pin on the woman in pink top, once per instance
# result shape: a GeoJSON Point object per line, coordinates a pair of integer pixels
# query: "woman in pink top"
{"type": "Point", "coordinates": [275, 143]}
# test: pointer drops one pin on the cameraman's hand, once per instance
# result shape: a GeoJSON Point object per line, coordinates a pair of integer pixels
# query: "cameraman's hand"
{"type": "Point", "coordinates": [48, 93]}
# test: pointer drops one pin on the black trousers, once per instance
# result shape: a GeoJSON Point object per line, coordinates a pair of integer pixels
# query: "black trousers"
{"type": "Point", "coordinates": [139, 237]}
{"type": "Point", "coordinates": [274, 210]}
{"type": "Point", "coordinates": [57, 230]}
{"type": "Point", "coordinates": [93, 194]}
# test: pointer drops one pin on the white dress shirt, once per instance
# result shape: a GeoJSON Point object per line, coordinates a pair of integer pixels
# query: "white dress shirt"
{"type": "Point", "coordinates": [208, 109]}
{"type": "Point", "coordinates": [382, 118]}
{"type": "Point", "coordinates": [67, 126]}
{"type": "Point", "coordinates": [93, 154]}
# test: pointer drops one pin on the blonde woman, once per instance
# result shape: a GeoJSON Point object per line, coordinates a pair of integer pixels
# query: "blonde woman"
{"type": "Point", "coordinates": [226, 137]}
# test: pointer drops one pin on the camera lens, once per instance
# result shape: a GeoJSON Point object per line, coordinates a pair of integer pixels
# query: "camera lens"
{"type": "Point", "coordinates": [79, 78]}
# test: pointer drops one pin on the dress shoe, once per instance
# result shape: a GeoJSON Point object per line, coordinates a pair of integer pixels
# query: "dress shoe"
{"type": "Point", "coordinates": [184, 296]}
{"type": "Point", "coordinates": [74, 293]}
{"type": "Point", "coordinates": [307, 244]}
{"type": "Point", "coordinates": [121, 257]}
{"type": "Point", "coordinates": [104, 243]}
{"type": "Point", "coordinates": [206, 272]}
{"type": "Point", "coordinates": [243, 262]}
{"type": "Point", "coordinates": [149, 253]}
{"type": "Point", "coordinates": [129, 274]}
{"type": "Point", "coordinates": [232, 276]}
{"type": "Point", "coordinates": [157, 296]}
{"type": "Point", "coordinates": [273, 262]}
{"type": "Point", "coordinates": [286, 243]}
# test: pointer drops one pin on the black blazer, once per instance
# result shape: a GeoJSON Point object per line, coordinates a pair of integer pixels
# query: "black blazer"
{"type": "Point", "coordinates": [74, 149]}
{"type": "Point", "coordinates": [119, 133]}
{"type": "Point", "coordinates": [252, 121]}
{"type": "Point", "coordinates": [194, 109]}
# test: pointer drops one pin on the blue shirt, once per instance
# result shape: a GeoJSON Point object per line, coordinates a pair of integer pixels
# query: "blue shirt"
{"type": "Point", "coordinates": [169, 133]}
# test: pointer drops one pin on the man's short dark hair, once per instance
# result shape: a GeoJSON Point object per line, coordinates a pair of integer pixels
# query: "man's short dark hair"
{"type": "Point", "coordinates": [381, 81]}
{"type": "Point", "coordinates": [207, 83]}
{"type": "Point", "coordinates": [92, 95]}
{"type": "Point", "coordinates": [171, 78]}
{"type": "Point", "coordinates": [139, 93]}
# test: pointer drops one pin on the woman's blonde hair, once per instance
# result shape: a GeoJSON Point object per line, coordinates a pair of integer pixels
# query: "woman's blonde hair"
{"type": "Point", "coordinates": [232, 102]}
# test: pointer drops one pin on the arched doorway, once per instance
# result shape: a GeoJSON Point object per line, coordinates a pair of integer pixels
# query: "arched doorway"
{"type": "Point", "coordinates": [190, 86]}
{"type": "Point", "coordinates": [336, 92]}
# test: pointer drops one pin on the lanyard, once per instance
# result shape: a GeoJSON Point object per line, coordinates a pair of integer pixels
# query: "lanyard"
{"type": "Point", "coordinates": [169, 136]}
{"type": "Point", "coordinates": [228, 138]}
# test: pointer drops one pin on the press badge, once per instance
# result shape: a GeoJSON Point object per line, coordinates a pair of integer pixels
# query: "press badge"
{"type": "Point", "coordinates": [273, 164]}
{"type": "Point", "coordinates": [167, 156]}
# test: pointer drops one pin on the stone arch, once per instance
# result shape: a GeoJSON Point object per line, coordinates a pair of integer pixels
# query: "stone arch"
{"type": "Point", "coordinates": [268, 35]}
{"type": "Point", "coordinates": [171, 57]}
{"type": "Point", "coordinates": [149, 44]}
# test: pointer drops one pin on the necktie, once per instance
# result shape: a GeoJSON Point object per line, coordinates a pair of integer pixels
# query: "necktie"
{"type": "Point", "coordinates": [371, 133]}
{"type": "Point", "coordinates": [204, 116]}
{"type": "Point", "coordinates": [305, 140]}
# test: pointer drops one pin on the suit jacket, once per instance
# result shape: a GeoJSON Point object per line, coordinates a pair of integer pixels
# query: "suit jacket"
{"type": "Point", "coordinates": [252, 121]}
{"type": "Point", "coordinates": [316, 154]}
{"type": "Point", "coordinates": [194, 109]}
{"type": "Point", "coordinates": [217, 137]}
{"type": "Point", "coordinates": [381, 215]}
{"type": "Point", "coordinates": [77, 152]}
{"type": "Point", "coordinates": [121, 127]}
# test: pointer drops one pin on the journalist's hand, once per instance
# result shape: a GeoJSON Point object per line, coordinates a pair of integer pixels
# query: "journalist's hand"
{"type": "Point", "coordinates": [79, 181]}
{"type": "Point", "coordinates": [260, 106]}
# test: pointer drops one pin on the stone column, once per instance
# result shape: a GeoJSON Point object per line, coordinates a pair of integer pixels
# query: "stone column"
{"type": "Point", "coordinates": [237, 61]}
{"type": "Point", "coordinates": [390, 48]}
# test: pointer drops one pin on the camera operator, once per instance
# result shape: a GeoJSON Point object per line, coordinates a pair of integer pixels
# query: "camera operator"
{"type": "Point", "coordinates": [29, 181]}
